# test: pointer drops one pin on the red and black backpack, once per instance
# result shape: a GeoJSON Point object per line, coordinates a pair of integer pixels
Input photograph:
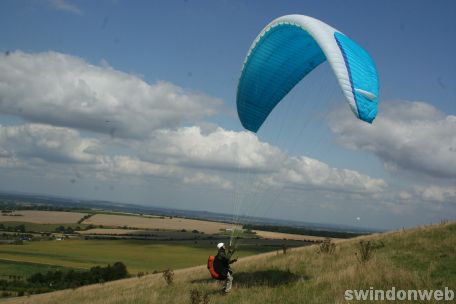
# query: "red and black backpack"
{"type": "Point", "coordinates": [210, 266]}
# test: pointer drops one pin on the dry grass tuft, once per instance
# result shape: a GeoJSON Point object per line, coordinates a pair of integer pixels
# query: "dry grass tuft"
{"type": "Point", "coordinates": [199, 297]}
{"type": "Point", "coordinates": [327, 247]}
{"type": "Point", "coordinates": [168, 276]}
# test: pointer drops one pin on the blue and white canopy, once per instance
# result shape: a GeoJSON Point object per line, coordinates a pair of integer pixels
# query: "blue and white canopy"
{"type": "Point", "coordinates": [288, 49]}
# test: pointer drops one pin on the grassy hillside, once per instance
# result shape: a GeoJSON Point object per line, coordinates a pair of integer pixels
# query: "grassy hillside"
{"type": "Point", "coordinates": [422, 258]}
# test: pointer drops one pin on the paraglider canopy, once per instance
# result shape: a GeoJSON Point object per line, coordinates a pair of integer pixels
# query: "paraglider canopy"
{"type": "Point", "coordinates": [287, 50]}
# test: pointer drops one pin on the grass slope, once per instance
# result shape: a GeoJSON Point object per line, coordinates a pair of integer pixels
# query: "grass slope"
{"type": "Point", "coordinates": [422, 258]}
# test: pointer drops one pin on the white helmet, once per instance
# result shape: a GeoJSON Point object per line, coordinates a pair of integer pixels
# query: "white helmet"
{"type": "Point", "coordinates": [220, 245]}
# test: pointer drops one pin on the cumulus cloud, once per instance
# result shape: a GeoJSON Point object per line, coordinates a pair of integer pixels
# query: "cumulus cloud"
{"type": "Point", "coordinates": [52, 144]}
{"type": "Point", "coordinates": [437, 193]}
{"type": "Point", "coordinates": [62, 94]}
{"type": "Point", "coordinates": [410, 136]}
{"type": "Point", "coordinates": [190, 155]}
{"type": "Point", "coordinates": [311, 173]}
{"type": "Point", "coordinates": [65, 6]}
{"type": "Point", "coordinates": [127, 165]}
{"type": "Point", "coordinates": [63, 145]}
{"type": "Point", "coordinates": [64, 90]}
{"type": "Point", "coordinates": [228, 150]}
{"type": "Point", "coordinates": [217, 149]}
{"type": "Point", "coordinates": [37, 146]}
{"type": "Point", "coordinates": [201, 178]}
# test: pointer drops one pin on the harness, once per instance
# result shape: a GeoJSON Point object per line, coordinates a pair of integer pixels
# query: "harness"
{"type": "Point", "coordinates": [211, 268]}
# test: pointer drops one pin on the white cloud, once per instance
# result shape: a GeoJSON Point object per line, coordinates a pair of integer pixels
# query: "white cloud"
{"type": "Point", "coordinates": [131, 166]}
{"type": "Point", "coordinates": [212, 149]}
{"type": "Point", "coordinates": [37, 146]}
{"type": "Point", "coordinates": [228, 151]}
{"type": "Point", "coordinates": [311, 173]}
{"type": "Point", "coordinates": [64, 5]}
{"type": "Point", "coordinates": [63, 145]}
{"type": "Point", "coordinates": [410, 136]}
{"type": "Point", "coordinates": [437, 193]}
{"type": "Point", "coordinates": [52, 144]}
{"type": "Point", "coordinates": [405, 195]}
{"type": "Point", "coordinates": [64, 93]}
{"type": "Point", "coordinates": [185, 155]}
{"type": "Point", "coordinates": [64, 90]}
{"type": "Point", "coordinates": [207, 179]}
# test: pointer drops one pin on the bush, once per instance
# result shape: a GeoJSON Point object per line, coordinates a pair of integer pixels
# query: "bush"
{"type": "Point", "coordinates": [84, 218]}
{"type": "Point", "coordinates": [327, 247]}
{"type": "Point", "coordinates": [284, 248]}
{"type": "Point", "coordinates": [54, 280]}
{"type": "Point", "coordinates": [365, 251]}
{"type": "Point", "coordinates": [168, 275]}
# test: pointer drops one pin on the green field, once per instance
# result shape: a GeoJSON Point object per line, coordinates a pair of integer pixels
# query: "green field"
{"type": "Point", "coordinates": [21, 269]}
{"type": "Point", "coordinates": [139, 256]}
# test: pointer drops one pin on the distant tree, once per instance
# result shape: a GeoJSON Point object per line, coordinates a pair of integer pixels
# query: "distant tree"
{"type": "Point", "coordinates": [36, 278]}
{"type": "Point", "coordinates": [120, 270]}
{"type": "Point", "coordinates": [60, 229]}
{"type": "Point", "coordinates": [20, 228]}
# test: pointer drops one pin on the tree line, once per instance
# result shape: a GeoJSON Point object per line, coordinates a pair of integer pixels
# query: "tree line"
{"type": "Point", "coordinates": [303, 231]}
{"type": "Point", "coordinates": [56, 280]}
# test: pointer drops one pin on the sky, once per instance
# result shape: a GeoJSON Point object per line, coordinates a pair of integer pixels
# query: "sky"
{"type": "Point", "coordinates": [135, 101]}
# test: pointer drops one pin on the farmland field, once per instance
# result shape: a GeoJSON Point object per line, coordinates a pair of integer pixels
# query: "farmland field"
{"type": "Point", "coordinates": [288, 236]}
{"type": "Point", "coordinates": [107, 231]}
{"type": "Point", "coordinates": [42, 217]}
{"type": "Point", "coordinates": [139, 256]}
{"type": "Point", "coordinates": [11, 268]}
{"type": "Point", "coordinates": [165, 223]}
